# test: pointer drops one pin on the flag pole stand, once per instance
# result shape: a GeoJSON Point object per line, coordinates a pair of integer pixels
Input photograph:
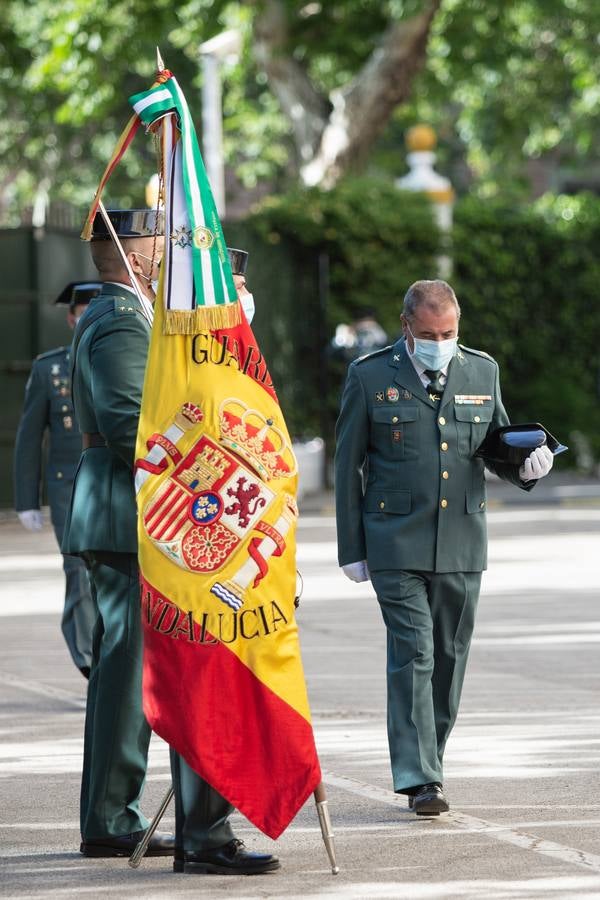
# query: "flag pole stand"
{"type": "Point", "coordinates": [326, 828]}
{"type": "Point", "coordinates": [140, 851]}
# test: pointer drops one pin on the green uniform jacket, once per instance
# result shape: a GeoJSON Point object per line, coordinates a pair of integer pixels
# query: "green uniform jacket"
{"type": "Point", "coordinates": [409, 492]}
{"type": "Point", "coordinates": [108, 365]}
{"type": "Point", "coordinates": [48, 409]}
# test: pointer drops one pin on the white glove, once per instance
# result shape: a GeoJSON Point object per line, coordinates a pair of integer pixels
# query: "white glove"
{"type": "Point", "coordinates": [538, 463]}
{"type": "Point", "coordinates": [357, 571]}
{"type": "Point", "coordinates": [31, 519]}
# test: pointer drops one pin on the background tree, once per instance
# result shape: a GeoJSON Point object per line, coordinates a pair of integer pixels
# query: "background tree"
{"type": "Point", "coordinates": [320, 88]}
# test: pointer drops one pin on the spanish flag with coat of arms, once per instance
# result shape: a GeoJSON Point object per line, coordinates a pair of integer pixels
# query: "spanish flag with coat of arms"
{"type": "Point", "coordinates": [216, 479]}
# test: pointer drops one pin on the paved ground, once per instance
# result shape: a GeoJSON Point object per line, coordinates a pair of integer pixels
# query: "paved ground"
{"type": "Point", "coordinates": [522, 764]}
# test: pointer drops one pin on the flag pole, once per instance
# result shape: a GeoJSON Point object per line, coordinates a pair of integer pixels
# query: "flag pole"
{"type": "Point", "coordinates": [134, 285]}
{"type": "Point", "coordinates": [140, 851]}
{"type": "Point", "coordinates": [326, 828]}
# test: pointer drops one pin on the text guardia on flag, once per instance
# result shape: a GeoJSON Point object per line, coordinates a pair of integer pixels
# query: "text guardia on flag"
{"type": "Point", "coordinates": [216, 480]}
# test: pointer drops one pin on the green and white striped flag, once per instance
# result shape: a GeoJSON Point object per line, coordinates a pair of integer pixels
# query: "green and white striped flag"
{"type": "Point", "coordinates": [196, 278]}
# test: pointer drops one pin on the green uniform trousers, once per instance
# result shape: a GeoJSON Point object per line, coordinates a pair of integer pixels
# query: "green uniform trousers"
{"type": "Point", "coordinates": [116, 732]}
{"type": "Point", "coordinates": [201, 814]}
{"type": "Point", "coordinates": [79, 612]}
{"type": "Point", "coordinates": [429, 619]}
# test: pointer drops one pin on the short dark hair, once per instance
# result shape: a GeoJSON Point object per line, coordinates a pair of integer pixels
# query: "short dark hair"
{"type": "Point", "coordinates": [107, 258]}
{"type": "Point", "coordinates": [435, 295]}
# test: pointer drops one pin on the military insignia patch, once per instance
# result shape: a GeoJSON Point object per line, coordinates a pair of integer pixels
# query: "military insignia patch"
{"type": "Point", "coordinates": [181, 237]}
{"type": "Point", "coordinates": [203, 238]}
{"type": "Point", "coordinates": [392, 394]}
{"type": "Point", "coordinates": [472, 399]}
{"type": "Point", "coordinates": [67, 422]}
{"type": "Point", "coordinates": [379, 396]}
{"type": "Point", "coordinates": [406, 395]}
{"type": "Point", "coordinates": [396, 436]}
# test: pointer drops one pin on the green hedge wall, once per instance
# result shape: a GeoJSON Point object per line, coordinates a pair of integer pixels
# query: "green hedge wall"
{"type": "Point", "coordinates": [377, 240]}
{"type": "Point", "coordinates": [528, 281]}
{"type": "Point", "coordinates": [371, 241]}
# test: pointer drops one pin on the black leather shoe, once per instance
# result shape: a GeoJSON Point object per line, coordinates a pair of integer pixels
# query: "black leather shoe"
{"type": "Point", "coordinates": [230, 859]}
{"type": "Point", "coordinates": [429, 800]}
{"type": "Point", "coordinates": [161, 844]}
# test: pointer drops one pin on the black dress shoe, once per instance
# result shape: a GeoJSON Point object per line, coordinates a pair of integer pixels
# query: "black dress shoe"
{"type": "Point", "coordinates": [230, 859]}
{"type": "Point", "coordinates": [161, 844]}
{"type": "Point", "coordinates": [429, 800]}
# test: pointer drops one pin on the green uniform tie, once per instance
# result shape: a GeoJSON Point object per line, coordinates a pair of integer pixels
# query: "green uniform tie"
{"type": "Point", "coordinates": [435, 389]}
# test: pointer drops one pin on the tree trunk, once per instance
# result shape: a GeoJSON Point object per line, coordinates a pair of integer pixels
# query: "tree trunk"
{"type": "Point", "coordinates": [335, 134]}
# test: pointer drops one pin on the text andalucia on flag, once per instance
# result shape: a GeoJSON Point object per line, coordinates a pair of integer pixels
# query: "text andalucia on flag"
{"type": "Point", "coordinates": [216, 479]}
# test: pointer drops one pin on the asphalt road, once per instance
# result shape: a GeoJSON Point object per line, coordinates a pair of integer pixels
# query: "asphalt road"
{"type": "Point", "coordinates": [521, 765]}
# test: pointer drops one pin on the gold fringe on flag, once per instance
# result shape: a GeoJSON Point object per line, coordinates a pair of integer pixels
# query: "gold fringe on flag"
{"type": "Point", "coordinates": [203, 318]}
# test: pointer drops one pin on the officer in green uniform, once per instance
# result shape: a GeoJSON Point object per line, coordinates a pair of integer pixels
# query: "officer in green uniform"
{"type": "Point", "coordinates": [109, 358]}
{"type": "Point", "coordinates": [411, 515]}
{"type": "Point", "coordinates": [48, 410]}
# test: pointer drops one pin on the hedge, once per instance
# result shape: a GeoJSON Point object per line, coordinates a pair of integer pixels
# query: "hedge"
{"type": "Point", "coordinates": [528, 280]}
{"type": "Point", "coordinates": [529, 285]}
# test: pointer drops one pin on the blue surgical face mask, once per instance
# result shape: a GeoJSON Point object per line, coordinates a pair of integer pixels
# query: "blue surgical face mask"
{"type": "Point", "coordinates": [434, 355]}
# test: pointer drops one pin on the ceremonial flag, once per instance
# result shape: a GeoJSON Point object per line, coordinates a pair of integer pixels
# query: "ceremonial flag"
{"type": "Point", "coordinates": [216, 480]}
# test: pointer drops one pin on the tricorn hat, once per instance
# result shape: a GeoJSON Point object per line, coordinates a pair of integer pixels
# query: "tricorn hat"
{"type": "Point", "coordinates": [78, 293]}
{"type": "Point", "coordinates": [129, 223]}
{"type": "Point", "coordinates": [238, 260]}
{"type": "Point", "coordinates": [514, 443]}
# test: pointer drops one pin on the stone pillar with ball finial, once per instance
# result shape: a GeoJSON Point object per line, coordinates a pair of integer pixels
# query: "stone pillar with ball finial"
{"type": "Point", "coordinates": [420, 142]}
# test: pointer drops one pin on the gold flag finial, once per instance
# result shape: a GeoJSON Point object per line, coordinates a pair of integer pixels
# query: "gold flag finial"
{"type": "Point", "coordinates": [159, 61]}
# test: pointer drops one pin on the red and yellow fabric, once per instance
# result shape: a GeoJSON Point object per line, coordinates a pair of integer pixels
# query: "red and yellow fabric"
{"type": "Point", "coordinates": [216, 481]}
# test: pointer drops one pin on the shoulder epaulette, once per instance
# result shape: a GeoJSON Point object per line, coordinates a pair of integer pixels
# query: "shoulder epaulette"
{"type": "Point", "coordinates": [124, 307]}
{"type": "Point", "coordinates": [366, 356]}
{"type": "Point", "coordinates": [56, 352]}
{"type": "Point", "coordinates": [481, 353]}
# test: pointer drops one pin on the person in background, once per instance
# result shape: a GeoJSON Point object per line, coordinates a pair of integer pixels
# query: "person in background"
{"type": "Point", "coordinates": [48, 414]}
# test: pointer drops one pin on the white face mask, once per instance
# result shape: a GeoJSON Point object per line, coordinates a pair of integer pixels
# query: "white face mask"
{"type": "Point", "coordinates": [247, 301]}
{"type": "Point", "coordinates": [434, 355]}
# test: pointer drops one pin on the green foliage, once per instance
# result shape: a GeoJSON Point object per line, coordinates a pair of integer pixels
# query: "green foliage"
{"type": "Point", "coordinates": [504, 83]}
{"type": "Point", "coordinates": [527, 277]}
{"type": "Point", "coordinates": [528, 280]}
{"type": "Point", "coordinates": [377, 240]}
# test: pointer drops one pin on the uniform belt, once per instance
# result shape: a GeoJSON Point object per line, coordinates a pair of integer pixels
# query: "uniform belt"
{"type": "Point", "coordinates": [92, 439]}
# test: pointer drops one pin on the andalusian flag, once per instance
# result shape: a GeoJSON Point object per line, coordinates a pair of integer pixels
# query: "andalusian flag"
{"type": "Point", "coordinates": [216, 481]}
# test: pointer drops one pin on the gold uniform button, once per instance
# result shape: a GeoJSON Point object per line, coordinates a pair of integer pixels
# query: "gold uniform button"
{"type": "Point", "coordinates": [394, 419]}
{"type": "Point", "coordinates": [477, 418]}
{"type": "Point", "coordinates": [444, 445]}
{"type": "Point", "coordinates": [382, 505]}
{"type": "Point", "coordinates": [482, 504]}
{"type": "Point", "coordinates": [445, 475]}
{"type": "Point", "coordinates": [59, 475]}
{"type": "Point", "coordinates": [442, 420]}
{"type": "Point", "coordinates": [64, 408]}
{"type": "Point", "coordinates": [443, 503]}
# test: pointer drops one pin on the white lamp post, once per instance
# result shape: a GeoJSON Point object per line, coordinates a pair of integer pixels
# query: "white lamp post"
{"type": "Point", "coordinates": [226, 44]}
